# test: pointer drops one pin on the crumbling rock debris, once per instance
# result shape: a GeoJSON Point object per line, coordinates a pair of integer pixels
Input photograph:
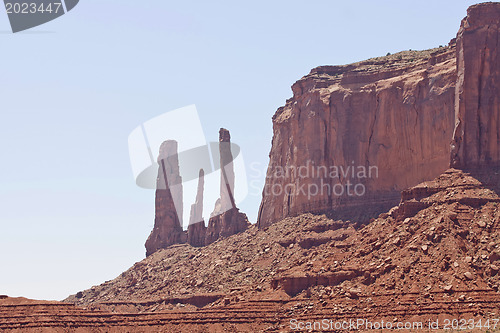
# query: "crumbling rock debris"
{"type": "Point", "coordinates": [240, 272]}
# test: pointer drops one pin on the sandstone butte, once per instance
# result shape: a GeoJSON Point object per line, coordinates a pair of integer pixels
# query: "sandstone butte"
{"type": "Point", "coordinates": [398, 113]}
{"type": "Point", "coordinates": [422, 244]}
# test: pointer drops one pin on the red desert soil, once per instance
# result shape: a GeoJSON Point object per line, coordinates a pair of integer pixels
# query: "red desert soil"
{"type": "Point", "coordinates": [435, 256]}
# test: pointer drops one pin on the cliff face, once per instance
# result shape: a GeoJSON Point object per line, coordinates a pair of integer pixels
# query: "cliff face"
{"type": "Point", "coordinates": [394, 115]}
{"type": "Point", "coordinates": [476, 140]}
{"type": "Point", "coordinates": [376, 127]}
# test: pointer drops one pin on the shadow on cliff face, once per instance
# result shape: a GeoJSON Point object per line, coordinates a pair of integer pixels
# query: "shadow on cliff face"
{"type": "Point", "coordinates": [377, 205]}
{"type": "Point", "coordinates": [489, 176]}
{"type": "Point", "coordinates": [365, 215]}
{"type": "Point", "coordinates": [361, 211]}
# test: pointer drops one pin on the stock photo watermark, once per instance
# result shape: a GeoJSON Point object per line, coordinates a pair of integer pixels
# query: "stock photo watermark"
{"type": "Point", "coordinates": [311, 180]}
{"type": "Point", "coordinates": [178, 140]}
{"type": "Point", "coordinates": [368, 324]}
{"type": "Point", "coordinates": [27, 14]}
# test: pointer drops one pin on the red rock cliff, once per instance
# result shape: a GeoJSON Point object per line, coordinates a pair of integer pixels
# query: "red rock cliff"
{"type": "Point", "coordinates": [476, 141]}
{"type": "Point", "coordinates": [397, 114]}
{"type": "Point", "coordinates": [392, 116]}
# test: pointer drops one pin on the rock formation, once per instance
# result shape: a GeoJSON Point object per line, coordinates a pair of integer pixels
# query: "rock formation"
{"type": "Point", "coordinates": [225, 220]}
{"type": "Point", "coordinates": [391, 115]}
{"type": "Point", "coordinates": [441, 259]}
{"type": "Point", "coordinates": [196, 229]}
{"type": "Point", "coordinates": [168, 201]}
{"type": "Point", "coordinates": [476, 139]}
{"type": "Point", "coordinates": [227, 173]}
{"type": "Point", "coordinates": [397, 114]}
{"type": "Point", "coordinates": [434, 257]}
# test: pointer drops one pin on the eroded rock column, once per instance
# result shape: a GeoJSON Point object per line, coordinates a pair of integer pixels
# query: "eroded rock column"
{"type": "Point", "coordinates": [196, 229]}
{"type": "Point", "coordinates": [225, 220]}
{"type": "Point", "coordinates": [168, 201]}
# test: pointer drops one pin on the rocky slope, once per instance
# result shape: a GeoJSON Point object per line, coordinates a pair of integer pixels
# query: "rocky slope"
{"type": "Point", "coordinates": [436, 254]}
{"type": "Point", "coordinates": [398, 114]}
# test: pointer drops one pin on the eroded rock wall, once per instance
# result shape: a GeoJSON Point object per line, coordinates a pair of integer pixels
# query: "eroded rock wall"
{"type": "Point", "coordinates": [476, 141]}
{"type": "Point", "coordinates": [391, 117]}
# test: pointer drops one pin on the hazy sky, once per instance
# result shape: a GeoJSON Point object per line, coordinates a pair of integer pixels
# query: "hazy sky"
{"type": "Point", "coordinates": [72, 90]}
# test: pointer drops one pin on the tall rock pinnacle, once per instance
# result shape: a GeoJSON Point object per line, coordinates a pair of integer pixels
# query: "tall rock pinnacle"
{"type": "Point", "coordinates": [197, 208]}
{"type": "Point", "coordinates": [225, 220]}
{"type": "Point", "coordinates": [168, 201]}
{"type": "Point", "coordinates": [196, 229]}
{"type": "Point", "coordinates": [227, 171]}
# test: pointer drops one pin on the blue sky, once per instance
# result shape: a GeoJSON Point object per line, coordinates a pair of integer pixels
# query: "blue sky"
{"type": "Point", "coordinates": [72, 90]}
